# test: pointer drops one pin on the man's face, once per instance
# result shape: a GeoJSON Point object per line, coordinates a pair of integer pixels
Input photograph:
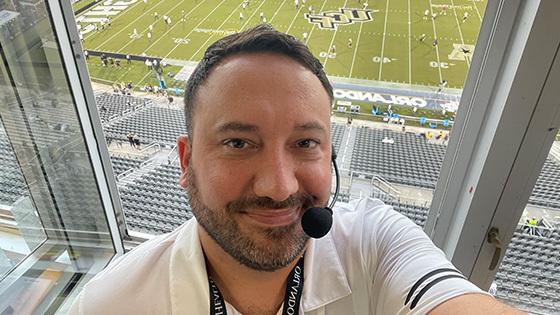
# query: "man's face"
{"type": "Point", "coordinates": [259, 156]}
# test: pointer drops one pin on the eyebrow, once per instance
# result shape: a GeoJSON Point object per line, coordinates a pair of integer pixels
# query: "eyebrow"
{"type": "Point", "coordinates": [237, 126]}
{"type": "Point", "coordinates": [244, 127]}
{"type": "Point", "coordinates": [310, 126]}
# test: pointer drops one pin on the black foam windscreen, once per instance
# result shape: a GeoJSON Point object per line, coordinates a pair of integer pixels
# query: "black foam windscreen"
{"type": "Point", "coordinates": [316, 222]}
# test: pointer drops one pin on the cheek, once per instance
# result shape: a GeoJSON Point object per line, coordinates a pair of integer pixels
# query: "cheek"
{"type": "Point", "coordinates": [220, 183]}
{"type": "Point", "coordinates": [316, 180]}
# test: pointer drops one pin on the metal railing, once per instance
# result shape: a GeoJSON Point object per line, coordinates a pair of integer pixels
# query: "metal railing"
{"type": "Point", "coordinates": [173, 155]}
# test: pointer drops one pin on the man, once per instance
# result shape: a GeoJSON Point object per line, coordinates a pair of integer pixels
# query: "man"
{"type": "Point", "coordinates": [257, 155]}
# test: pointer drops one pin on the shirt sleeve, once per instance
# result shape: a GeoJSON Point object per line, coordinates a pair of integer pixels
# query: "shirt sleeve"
{"type": "Point", "coordinates": [411, 275]}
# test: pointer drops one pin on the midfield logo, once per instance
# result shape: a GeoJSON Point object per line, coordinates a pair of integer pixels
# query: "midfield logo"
{"type": "Point", "coordinates": [331, 19]}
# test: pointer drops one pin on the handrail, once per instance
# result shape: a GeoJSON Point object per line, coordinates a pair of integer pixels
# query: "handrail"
{"type": "Point", "coordinates": [124, 174]}
{"type": "Point", "coordinates": [148, 162]}
{"type": "Point", "coordinates": [152, 145]}
{"type": "Point", "coordinates": [386, 183]}
{"type": "Point", "coordinates": [171, 160]}
{"type": "Point", "coordinates": [392, 190]}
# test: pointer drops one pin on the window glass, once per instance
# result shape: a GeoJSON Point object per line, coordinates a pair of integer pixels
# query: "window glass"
{"type": "Point", "coordinates": [528, 274]}
{"type": "Point", "coordinates": [53, 228]}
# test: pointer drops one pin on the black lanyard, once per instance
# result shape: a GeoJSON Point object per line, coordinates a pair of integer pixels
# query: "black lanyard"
{"type": "Point", "coordinates": [292, 297]}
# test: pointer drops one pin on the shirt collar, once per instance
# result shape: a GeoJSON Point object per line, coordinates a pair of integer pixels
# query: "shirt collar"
{"type": "Point", "coordinates": [325, 278]}
{"type": "Point", "coordinates": [188, 281]}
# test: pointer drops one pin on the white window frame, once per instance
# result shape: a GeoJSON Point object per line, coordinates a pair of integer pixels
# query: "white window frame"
{"type": "Point", "coordinates": [508, 118]}
{"type": "Point", "coordinates": [80, 85]}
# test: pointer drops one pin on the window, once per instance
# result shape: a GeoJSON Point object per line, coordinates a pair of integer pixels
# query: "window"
{"type": "Point", "coordinates": [55, 232]}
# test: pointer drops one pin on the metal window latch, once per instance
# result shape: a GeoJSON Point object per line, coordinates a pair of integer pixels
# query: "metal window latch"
{"type": "Point", "coordinates": [493, 238]}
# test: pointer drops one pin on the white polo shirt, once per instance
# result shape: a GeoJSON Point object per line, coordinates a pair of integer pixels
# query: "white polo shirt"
{"type": "Point", "coordinates": [373, 261]}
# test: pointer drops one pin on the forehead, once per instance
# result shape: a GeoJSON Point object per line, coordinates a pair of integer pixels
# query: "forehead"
{"type": "Point", "coordinates": [254, 85]}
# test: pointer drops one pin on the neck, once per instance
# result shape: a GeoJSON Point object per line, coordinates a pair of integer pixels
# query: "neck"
{"type": "Point", "coordinates": [249, 291]}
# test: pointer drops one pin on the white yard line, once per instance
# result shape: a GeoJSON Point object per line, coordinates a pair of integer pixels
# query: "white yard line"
{"type": "Point", "coordinates": [332, 42]}
{"type": "Point", "coordinates": [383, 42]}
{"type": "Point", "coordinates": [124, 27]}
{"type": "Point", "coordinates": [409, 47]}
{"type": "Point", "coordinates": [294, 19]}
{"type": "Point", "coordinates": [356, 50]}
{"type": "Point", "coordinates": [477, 12]}
{"type": "Point", "coordinates": [460, 32]}
{"type": "Point", "coordinates": [202, 21]}
{"type": "Point", "coordinates": [178, 22]}
{"type": "Point", "coordinates": [437, 46]}
{"type": "Point", "coordinates": [277, 10]}
{"type": "Point", "coordinates": [313, 27]}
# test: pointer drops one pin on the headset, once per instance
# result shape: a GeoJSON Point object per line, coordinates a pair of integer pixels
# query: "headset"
{"type": "Point", "coordinates": [317, 222]}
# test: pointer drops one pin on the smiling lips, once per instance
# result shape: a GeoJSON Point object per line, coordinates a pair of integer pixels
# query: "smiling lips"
{"type": "Point", "coordinates": [274, 217]}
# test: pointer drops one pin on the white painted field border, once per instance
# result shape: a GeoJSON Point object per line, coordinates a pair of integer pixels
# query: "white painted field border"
{"type": "Point", "coordinates": [202, 21]}
{"type": "Point", "coordinates": [170, 28]}
{"type": "Point", "coordinates": [437, 46]}
{"type": "Point", "coordinates": [356, 50]}
{"type": "Point", "coordinates": [124, 27]}
{"type": "Point", "coordinates": [294, 19]}
{"type": "Point", "coordinates": [220, 27]}
{"type": "Point", "coordinates": [277, 10]}
{"type": "Point", "coordinates": [460, 32]}
{"type": "Point", "coordinates": [332, 42]}
{"type": "Point", "coordinates": [477, 12]}
{"type": "Point", "coordinates": [409, 47]}
{"type": "Point", "coordinates": [93, 6]}
{"type": "Point", "coordinates": [383, 41]}
{"type": "Point", "coordinates": [116, 17]}
{"type": "Point", "coordinates": [313, 27]}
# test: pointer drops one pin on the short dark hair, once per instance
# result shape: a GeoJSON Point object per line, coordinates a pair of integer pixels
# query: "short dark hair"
{"type": "Point", "coordinates": [261, 38]}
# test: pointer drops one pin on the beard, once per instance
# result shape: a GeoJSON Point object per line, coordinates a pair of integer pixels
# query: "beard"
{"type": "Point", "coordinates": [259, 248]}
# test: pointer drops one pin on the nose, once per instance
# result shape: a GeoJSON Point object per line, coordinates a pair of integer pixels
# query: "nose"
{"type": "Point", "coordinates": [276, 177]}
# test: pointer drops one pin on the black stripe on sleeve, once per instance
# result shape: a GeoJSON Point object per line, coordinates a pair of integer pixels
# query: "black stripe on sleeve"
{"type": "Point", "coordinates": [426, 276]}
{"type": "Point", "coordinates": [431, 284]}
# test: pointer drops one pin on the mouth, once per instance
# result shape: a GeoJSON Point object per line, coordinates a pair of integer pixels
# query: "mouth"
{"type": "Point", "coordinates": [276, 217]}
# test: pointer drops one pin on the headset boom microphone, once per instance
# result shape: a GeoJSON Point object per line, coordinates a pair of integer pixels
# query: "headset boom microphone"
{"type": "Point", "coordinates": [316, 222]}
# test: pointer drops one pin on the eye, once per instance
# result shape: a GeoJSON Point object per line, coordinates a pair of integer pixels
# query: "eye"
{"type": "Point", "coordinates": [236, 143]}
{"type": "Point", "coordinates": [308, 144]}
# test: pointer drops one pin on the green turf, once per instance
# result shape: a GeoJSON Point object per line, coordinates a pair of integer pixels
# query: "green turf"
{"type": "Point", "coordinates": [385, 49]}
{"type": "Point", "coordinates": [129, 73]}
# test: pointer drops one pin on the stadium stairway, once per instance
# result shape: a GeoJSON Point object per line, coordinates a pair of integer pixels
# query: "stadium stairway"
{"type": "Point", "coordinates": [555, 151]}
{"type": "Point", "coordinates": [146, 167]}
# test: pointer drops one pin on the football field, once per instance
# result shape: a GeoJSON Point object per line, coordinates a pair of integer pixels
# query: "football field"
{"type": "Point", "coordinates": [391, 40]}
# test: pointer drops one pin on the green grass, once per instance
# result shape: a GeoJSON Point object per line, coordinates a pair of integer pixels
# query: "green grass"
{"type": "Point", "coordinates": [129, 73]}
{"type": "Point", "coordinates": [387, 38]}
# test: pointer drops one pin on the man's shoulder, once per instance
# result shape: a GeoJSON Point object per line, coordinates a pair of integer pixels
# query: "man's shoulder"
{"type": "Point", "coordinates": [137, 275]}
{"type": "Point", "coordinates": [364, 211]}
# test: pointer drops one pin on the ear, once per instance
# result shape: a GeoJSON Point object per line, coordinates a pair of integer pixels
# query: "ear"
{"type": "Point", "coordinates": [184, 150]}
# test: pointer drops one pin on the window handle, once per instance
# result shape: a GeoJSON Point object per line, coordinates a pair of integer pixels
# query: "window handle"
{"type": "Point", "coordinates": [493, 238]}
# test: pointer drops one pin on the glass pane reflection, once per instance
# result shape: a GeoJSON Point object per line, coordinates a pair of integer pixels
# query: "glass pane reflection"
{"type": "Point", "coordinates": [53, 228]}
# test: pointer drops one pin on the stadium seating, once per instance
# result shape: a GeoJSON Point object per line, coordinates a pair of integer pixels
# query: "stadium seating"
{"type": "Point", "coordinates": [155, 203]}
{"type": "Point", "coordinates": [12, 184]}
{"type": "Point", "coordinates": [152, 124]}
{"type": "Point", "coordinates": [409, 160]}
{"type": "Point", "coordinates": [123, 164]}
{"type": "Point", "coordinates": [547, 189]}
{"type": "Point", "coordinates": [112, 106]}
{"type": "Point", "coordinates": [337, 131]}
